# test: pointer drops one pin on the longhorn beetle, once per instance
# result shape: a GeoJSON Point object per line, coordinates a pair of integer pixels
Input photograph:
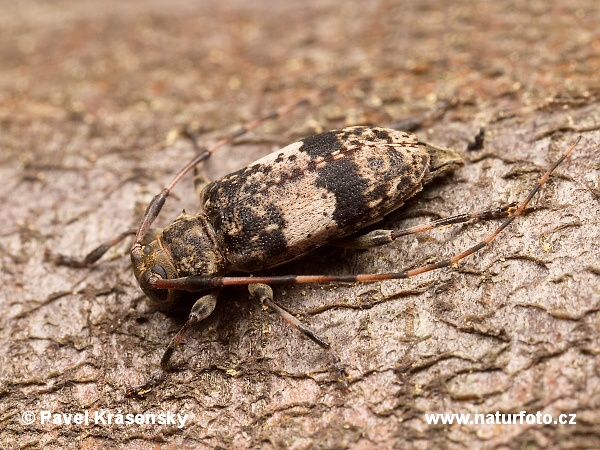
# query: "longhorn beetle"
{"type": "Point", "coordinates": [321, 190]}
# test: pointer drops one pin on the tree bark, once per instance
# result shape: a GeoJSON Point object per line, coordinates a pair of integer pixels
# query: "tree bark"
{"type": "Point", "coordinates": [92, 96]}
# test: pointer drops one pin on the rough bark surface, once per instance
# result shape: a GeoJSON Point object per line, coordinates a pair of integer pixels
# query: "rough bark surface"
{"type": "Point", "coordinates": [91, 95]}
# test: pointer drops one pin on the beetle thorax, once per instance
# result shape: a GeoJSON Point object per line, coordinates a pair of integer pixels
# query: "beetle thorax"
{"type": "Point", "coordinates": [191, 242]}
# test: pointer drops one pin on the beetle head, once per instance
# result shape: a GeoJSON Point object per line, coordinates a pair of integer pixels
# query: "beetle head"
{"type": "Point", "coordinates": [184, 248]}
{"type": "Point", "coordinates": [153, 260]}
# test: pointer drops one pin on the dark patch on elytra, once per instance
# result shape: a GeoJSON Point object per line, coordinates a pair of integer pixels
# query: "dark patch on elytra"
{"type": "Point", "coordinates": [296, 173]}
{"type": "Point", "coordinates": [376, 164]}
{"type": "Point", "coordinates": [383, 135]}
{"type": "Point", "coordinates": [342, 178]}
{"type": "Point", "coordinates": [248, 181]}
{"type": "Point", "coordinates": [285, 177]}
{"type": "Point", "coordinates": [354, 132]}
{"type": "Point", "coordinates": [253, 244]}
{"type": "Point", "coordinates": [322, 145]}
{"type": "Point", "coordinates": [405, 183]}
{"type": "Point", "coordinates": [380, 191]}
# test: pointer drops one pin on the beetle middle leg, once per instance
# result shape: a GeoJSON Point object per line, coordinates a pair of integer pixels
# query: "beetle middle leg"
{"type": "Point", "coordinates": [264, 294]}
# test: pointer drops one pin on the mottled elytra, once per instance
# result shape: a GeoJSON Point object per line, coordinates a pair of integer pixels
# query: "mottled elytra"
{"type": "Point", "coordinates": [321, 190]}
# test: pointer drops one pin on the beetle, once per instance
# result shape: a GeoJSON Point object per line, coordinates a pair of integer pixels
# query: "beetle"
{"type": "Point", "coordinates": [313, 192]}
{"type": "Point", "coordinates": [321, 190]}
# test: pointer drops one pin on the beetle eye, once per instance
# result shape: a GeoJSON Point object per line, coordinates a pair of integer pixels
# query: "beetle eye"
{"type": "Point", "coordinates": [159, 271]}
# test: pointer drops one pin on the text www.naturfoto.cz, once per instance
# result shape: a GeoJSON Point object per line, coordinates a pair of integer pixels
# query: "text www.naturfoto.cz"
{"type": "Point", "coordinates": [499, 418]}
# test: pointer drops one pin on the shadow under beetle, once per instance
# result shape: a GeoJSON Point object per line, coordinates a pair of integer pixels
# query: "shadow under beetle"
{"type": "Point", "coordinates": [321, 190]}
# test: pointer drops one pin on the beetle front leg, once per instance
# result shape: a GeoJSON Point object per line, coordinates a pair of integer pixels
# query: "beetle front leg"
{"type": "Point", "coordinates": [264, 294]}
{"type": "Point", "coordinates": [203, 308]}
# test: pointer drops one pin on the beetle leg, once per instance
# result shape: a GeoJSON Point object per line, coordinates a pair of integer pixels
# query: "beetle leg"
{"type": "Point", "coordinates": [64, 260]}
{"type": "Point", "coordinates": [203, 308]}
{"type": "Point", "coordinates": [264, 294]}
{"type": "Point", "coordinates": [376, 238]}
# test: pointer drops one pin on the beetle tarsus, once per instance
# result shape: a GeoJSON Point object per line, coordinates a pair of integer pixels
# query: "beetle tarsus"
{"type": "Point", "coordinates": [142, 390]}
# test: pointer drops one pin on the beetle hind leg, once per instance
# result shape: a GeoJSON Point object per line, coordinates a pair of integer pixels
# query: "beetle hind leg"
{"type": "Point", "coordinates": [264, 294]}
{"type": "Point", "coordinates": [377, 238]}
